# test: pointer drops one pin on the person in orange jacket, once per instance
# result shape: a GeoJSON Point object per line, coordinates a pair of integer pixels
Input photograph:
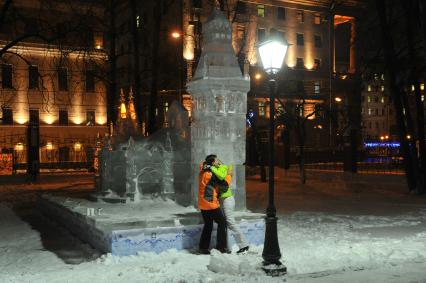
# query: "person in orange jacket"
{"type": "Point", "coordinates": [208, 203]}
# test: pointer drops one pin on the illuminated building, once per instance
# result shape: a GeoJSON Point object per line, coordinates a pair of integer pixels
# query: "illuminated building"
{"type": "Point", "coordinates": [53, 85]}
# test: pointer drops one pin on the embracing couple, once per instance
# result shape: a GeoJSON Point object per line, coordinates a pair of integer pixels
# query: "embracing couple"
{"type": "Point", "coordinates": [216, 202]}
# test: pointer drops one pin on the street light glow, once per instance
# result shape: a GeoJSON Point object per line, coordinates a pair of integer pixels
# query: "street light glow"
{"type": "Point", "coordinates": [257, 76]}
{"type": "Point", "coordinates": [272, 53]}
{"type": "Point", "coordinates": [175, 34]}
{"type": "Point", "coordinates": [338, 99]}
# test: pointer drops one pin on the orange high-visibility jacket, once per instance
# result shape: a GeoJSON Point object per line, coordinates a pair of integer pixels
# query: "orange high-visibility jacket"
{"type": "Point", "coordinates": [207, 191]}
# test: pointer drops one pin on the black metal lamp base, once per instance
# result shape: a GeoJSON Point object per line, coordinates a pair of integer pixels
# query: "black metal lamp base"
{"type": "Point", "coordinates": [274, 269]}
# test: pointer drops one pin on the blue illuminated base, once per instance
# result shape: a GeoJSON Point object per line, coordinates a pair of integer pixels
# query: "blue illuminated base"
{"type": "Point", "coordinates": [124, 239]}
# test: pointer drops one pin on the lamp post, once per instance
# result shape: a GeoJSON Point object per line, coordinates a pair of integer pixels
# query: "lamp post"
{"type": "Point", "coordinates": [272, 53]}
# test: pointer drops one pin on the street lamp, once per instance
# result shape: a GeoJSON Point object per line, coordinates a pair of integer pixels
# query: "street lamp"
{"type": "Point", "coordinates": [272, 53]}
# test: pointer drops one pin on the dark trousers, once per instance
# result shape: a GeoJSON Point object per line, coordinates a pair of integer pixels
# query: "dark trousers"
{"type": "Point", "coordinates": [217, 216]}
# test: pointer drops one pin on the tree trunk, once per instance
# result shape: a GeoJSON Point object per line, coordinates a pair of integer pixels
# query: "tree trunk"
{"type": "Point", "coordinates": [397, 95]}
{"type": "Point", "coordinates": [136, 67]}
{"type": "Point", "coordinates": [301, 138]}
{"type": "Point", "coordinates": [111, 97]}
{"type": "Point", "coordinates": [419, 104]}
{"type": "Point", "coordinates": [152, 119]}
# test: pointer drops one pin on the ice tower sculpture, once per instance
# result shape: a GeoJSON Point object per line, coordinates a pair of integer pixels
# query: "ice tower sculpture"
{"type": "Point", "coordinates": [219, 105]}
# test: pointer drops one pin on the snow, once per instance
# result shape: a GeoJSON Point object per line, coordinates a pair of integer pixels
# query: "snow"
{"type": "Point", "coordinates": [319, 241]}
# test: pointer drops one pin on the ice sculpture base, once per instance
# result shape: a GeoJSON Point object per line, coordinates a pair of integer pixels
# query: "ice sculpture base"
{"type": "Point", "coordinates": [126, 230]}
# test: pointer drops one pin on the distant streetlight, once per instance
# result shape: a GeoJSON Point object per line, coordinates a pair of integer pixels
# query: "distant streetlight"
{"type": "Point", "coordinates": [272, 53]}
{"type": "Point", "coordinates": [257, 76]}
{"type": "Point", "coordinates": [175, 34]}
{"type": "Point", "coordinates": [338, 99]}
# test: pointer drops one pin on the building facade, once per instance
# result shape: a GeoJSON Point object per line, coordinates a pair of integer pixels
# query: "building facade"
{"type": "Point", "coordinates": [50, 81]}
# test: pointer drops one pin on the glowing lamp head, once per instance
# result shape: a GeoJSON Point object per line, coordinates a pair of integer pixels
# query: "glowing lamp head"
{"type": "Point", "coordinates": [338, 99]}
{"type": "Point", "coordinates": [175, 34]}
{"type": "Point", "coordinates": [272, 53]}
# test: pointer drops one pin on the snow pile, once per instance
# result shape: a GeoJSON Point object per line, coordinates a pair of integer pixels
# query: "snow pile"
{"type": "Point", "coordinates": [385, 249]}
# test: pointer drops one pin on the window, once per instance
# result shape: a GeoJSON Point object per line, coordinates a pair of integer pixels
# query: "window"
{"type": "Point", "coordinates": [317, 64]}
{"type": "Point", "coordinates": [422, 86]}
{"type": "Point", "coordinates": [261, 108]}
{"type": "Point", "coordinates": [63, 79]}
{"type": "Point", "coordinates": [90, 118]}
{"type": "Point", "coordinates": [377, 125]}
{"type": "Point", "coordinates": [423, 97]}
{"type": "Point", "coordinates": [382, 99]}
{"type": "Point", "coordinates": [299, 63]}
{"type": "Point", "coordinates": [33, 77]}
{"type": "Point", "coordinates": [376, 112]}
{"type": "Point", "coordinates": [317, 19]}
{"type": "Point", "coordinates": [369, 89]}
{"type": "Point", "coordinates": [281, 13]}
{"type": "Point", "coordinates": [300, 39]}
{"type": "Point", "coordinates": [241, 7]}
{"type": "Point", "coordinates": [166, 107]}
{"type": "Point", "coordinates": [34, 117]}
{"type": "Point", "coordinates": [382, 77]}
{"type": "Point", "coordinates": [300, 16]}
{"type": "Point", "coordinates": [261, 32]}
{"type": "Point", "coordinates": [63, 117]}
{"type": "Point", "coordinates": [368, 98]}
{"type": "Point", "coordinates": [6, 76]}
{"type": "Point", "coordinates": [382, 88]}
{"type": "Point", "coordinates": [64, 153]}
{"type": "Point", "coordinates": [317, 41]}
{"type": "Point", "coordinates": [7, 116]}
{"type": "Point", "coordinates": [90, 81]}
{"type": "Point", "coordinates": [383, 112]}
{"type": "Point", "coordinates": [370, 111]}
{"type": "Point", "coordinates": [261, 10]}
{"type": "Point", "coordinates": [317, 87]}
{"type": "Point", "coordinates": [376, 98]}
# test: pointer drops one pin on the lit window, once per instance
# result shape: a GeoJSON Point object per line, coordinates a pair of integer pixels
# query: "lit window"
{"type": "Point", "coordinates": [166, 107]}
{"type": "Point", "coordinates": [383, 77]}
{"type": "Point", "coordinates": [422, 86]}
{"type": "Point", "coordinates": [423, 97]}
{"type": "Point", "coordinates": [261, 11]}
{"type": "Point", "coordinates": [370, 111]}
{"type": "Point", "coordinates": [300, 16]}
{"type": "Point", "coordinates": [261, 108]}
{"type": "Point", "coordinates": [317, 87]}
{"type": "Point", "coordinates": [317, 19]}
{"type": "Point", "coordinates": [368, 98]}
{"type": "Point", "coordinates": [382, 88]}
{"type": "Point", "coordinates": [300, 40]}
{"type": "Point", "coordinates": [412, 88]}
{"type": "Point", "coordinates": [369, 88]}
{"type": "Point", "coordinates": [382, 99]}
{"type": "Point", "coordinates": [376, 77]}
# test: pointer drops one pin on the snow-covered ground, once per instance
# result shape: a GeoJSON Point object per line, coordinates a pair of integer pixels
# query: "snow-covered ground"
{"type": "Point", "coordinates": [325, 235]}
